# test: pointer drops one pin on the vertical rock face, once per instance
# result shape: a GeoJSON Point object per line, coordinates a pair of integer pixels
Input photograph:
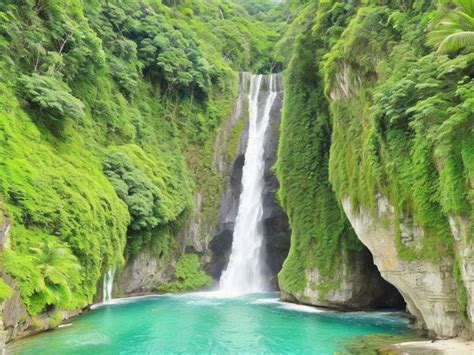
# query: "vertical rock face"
{"type": "Point", "coordinates": [428, 289]}
{"type": "Point", "coordinates": [432, 292]}
{"type": "Point", "coordinates": [146, 270]}
{"type": "Point", "coordinates": [141, 274]}
{"type": "Point", "coordinates": [221, 243]}
{"type": "Point", "coordinates": [459, 230]}
{"type": "Point", "coordinates": [275, 221]}
{"type": "Point", "coordinates": [326, 266]}
{"type": "Point", "coordinates": [410, 190]}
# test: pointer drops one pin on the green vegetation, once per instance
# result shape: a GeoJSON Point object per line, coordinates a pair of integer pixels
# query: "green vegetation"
{"type": "Point", "coordinates": [58, 273]}
{"type": "Point", "coordinates": [370, 110]}
{"type": "Point", "coordinates": [108, 113]}
{"type": "Point", "coordinates": [234, 139]}
{"type": "Point", "coordinates": [319, 228]}
{"type": "Point", "coordinates": [52, 99]}
{"type": "Point", "coordinates": [411, 141]}
{"type": "Point", "coordinates": [453, 29]}
{"type": "Point", "coordinates": [189, 275]}
{"type": "Point", "coordinates": [54, 319]}
{"type": "Point", "coordinates": [37, 324]}
{"type": "Point", "coordinates": [377, 344]}
{"type": "Point", "coordinates": [5, 291]}
{"type": "Point", "coordinates": [462, 291]}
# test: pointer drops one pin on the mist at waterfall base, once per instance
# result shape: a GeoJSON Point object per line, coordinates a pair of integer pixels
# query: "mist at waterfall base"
{"type": "Point", "coordinates": [198, 323]}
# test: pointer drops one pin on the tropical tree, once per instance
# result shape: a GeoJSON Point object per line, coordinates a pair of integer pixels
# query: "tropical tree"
{"type": "Point", "coordinates": [56, 265]}
{"type": "Point", "coordinates": [453, 30]}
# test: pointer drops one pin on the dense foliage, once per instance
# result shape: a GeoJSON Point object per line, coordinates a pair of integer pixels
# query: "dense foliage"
{"type": "Point", "coordinates": [189, 275]}
{"type": "Point", "coordinates": [319, 228]}
{"type": "Point", "coordinates": [453, 29]}
{"type": "Point", "coordinates": [383, 116]}
{"type": "Point", "coordinates": [108, 111]}
{"type": "Point", "coordinates": [414, 141]}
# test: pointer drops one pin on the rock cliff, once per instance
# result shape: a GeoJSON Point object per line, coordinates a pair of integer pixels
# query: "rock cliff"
{"type": "Point", "coordinates": [376, 148]}
{"type": "Point", "coordinates": [428, 288]}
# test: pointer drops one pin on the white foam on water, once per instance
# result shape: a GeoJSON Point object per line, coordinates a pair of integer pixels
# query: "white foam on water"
{"type": "Point", "coordinates": [267, 301]}
{"type": "Point", "coordinates": [204, 294]}
{"type": "Point", "coordinates": [302, 308]}
{"type": "Point", "coordinates": [290, 306]}
{"type": "Point", "coordinates": [125, 300]}
{"type": "Point", "coordinates": [96, 339]}
{"type": "Point", "coordinates": [64, 325]}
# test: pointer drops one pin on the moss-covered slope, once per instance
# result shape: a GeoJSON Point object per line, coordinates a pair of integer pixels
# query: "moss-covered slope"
{"type": "Point", "coordinates": [108, 113]}
{"type": "Point", "coordinates": [319, 227]}
{"type": "Point", "coordinates": [374, 115]}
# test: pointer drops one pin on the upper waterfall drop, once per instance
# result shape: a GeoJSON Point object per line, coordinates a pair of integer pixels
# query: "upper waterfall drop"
{"type": "Point", "coordinates": [245, 272]}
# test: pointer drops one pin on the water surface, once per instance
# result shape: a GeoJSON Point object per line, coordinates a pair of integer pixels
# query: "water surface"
{"type": "Point", "coordinates": [203, 323]}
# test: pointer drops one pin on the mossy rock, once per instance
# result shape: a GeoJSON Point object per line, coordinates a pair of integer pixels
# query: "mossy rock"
{"type": "Point", "coordinates": [189, 275]}
{"type": "Point", "coordinates": [375, 344]}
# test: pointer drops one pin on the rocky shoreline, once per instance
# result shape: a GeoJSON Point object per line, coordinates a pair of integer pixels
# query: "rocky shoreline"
{"type": "Point", "coordinates": [455, 346]}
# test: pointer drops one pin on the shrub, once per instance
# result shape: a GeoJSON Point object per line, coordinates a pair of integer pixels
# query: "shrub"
{"type": "Point", "coordinates": [52, 98]}
{"type": "Point", "coordinates": [5, 291]}
{"type": "Point", "coordinates": [189, 275]}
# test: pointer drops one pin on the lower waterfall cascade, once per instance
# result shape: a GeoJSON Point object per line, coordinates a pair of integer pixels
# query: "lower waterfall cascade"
{"type": "Point", "coordinates": [107, 285]}
{"type": "Point", "coordinates": [245, 272]}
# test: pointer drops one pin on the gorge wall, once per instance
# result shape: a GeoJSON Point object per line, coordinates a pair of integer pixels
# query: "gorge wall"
{"type": "Point", "coordinates": [379, 162]}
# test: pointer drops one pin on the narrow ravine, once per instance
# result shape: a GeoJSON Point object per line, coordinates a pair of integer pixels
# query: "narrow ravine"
{"type": "Point", "coordinates": [180, 176]}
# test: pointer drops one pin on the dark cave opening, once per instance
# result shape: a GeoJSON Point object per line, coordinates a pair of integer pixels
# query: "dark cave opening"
{"type": "Point", "coordinates": [384, 294]}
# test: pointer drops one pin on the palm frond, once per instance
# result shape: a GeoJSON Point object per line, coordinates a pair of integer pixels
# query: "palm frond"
{"type": "Point", "coordinates": [437, 36]}
{"type": "Point", "coordinates": [466, 5]}
{"type": "Point", "coordinates": [456, 41]}
{"type": "Point", "coordinates": [455, 30]}
{"type": "Point", "coordinates": [466, 21]}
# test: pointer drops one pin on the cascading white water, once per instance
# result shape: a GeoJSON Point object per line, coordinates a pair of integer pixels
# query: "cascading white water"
{"type": "Point", "coordinates": [107, 285]}
{"type": "Point", "coordinates": [245, 272]}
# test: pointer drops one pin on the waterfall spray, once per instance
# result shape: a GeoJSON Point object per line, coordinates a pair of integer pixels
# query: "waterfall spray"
{"type": "Point", "coordinates": [245, 272]}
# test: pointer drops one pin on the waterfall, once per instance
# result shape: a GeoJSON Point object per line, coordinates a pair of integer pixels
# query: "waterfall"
{"type": "Point", "coordinates": [245, 272]}
{"type": "Point", "coordinates": [107, 285]}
